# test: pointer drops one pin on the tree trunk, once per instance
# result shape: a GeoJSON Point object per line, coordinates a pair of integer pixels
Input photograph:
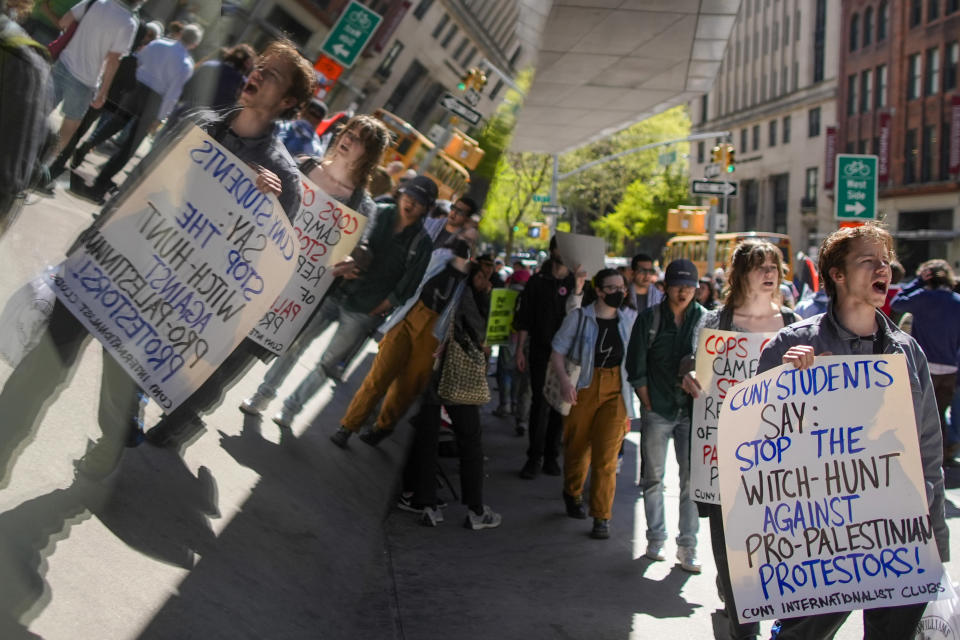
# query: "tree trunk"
{"type": "Point", "coordinates": [509, 248]}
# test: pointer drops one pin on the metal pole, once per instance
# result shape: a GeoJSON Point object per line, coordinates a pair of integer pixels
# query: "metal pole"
{"type": "Point", "coordinates": [711, 239]}
{"type": "Point", "coordinates": [554, 192]}
{"type": "Point", "coordinates": [447, 134]}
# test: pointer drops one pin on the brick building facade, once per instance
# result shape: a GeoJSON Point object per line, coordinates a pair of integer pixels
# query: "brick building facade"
{"type": "Point", "coordinates": [898, 98]}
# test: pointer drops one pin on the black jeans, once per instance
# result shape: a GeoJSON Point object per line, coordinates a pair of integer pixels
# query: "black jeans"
{"type": "Point", "coordinates": [886, 623]}
{"type": "Point", "coordinates": [144, 103]}
{"type": "Point", "coordinates": [41, 373]}
{"type": "Point", "coordinates": [420, 472]}
{"type": "Point", "coordinates": [737, 631]}
{"type": "Point", "coordinates": [210, 394]}
{"type": "Point", "coordinates": [546, 425]}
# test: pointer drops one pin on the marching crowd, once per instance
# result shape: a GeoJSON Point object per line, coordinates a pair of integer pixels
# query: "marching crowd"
{"type": "Point", "coordinates": [590, 353]}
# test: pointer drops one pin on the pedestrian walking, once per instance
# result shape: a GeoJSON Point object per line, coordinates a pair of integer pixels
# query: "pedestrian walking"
{"type": "Point", "coordinates": [642, 294]}
{"type": "Point", "coordinates": [601, 397]}
{"type": "Point", "coordinates": [468, 329]}
{"type": "Point", "coordinates": [936, 309]}
{"type": "Point", "coordinates": [662, 337]}
{"type": "Point", "coordinates": [854, 265]}
{"type": "Point", "coordinates": [751, 305]}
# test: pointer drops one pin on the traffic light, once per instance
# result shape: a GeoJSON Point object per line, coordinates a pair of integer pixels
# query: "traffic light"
{"type": "Point", "coordinates": [716, 155]}
{"type": "Point", "coordinates": [474, 78]}
{"type": "Point", "coordinates": [730, 160]}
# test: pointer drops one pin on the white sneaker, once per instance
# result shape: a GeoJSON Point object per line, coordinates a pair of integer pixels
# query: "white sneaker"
{"type": "Point", "coordinates": [489, 519]}
{"type": "Point", "coordinates": [255, 404]}
{"type": "Point", "coordinates": [283, 419]}
{"type": "Point", "coordinates": [688, 559]}
{"type": "Point", "coordinates": [432, 516]}
{"type": "Point", "coordinates": [654, 552]}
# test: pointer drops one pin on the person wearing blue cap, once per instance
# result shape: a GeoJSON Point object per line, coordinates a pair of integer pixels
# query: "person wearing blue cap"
{"type": "Point", "coordinates": [662, 337]}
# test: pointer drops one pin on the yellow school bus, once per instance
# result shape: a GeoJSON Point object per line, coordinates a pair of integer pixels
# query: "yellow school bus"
{"type": "Point", "coordinates": [694, 248]}
{"type": "Point", "coordinates": [411, 148]}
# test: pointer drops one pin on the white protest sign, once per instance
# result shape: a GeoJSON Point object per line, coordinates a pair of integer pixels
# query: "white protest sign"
{"type": "Point", "coordinates": [586, 251]}
{"type": "Point", "coordinates": [326, 233]}
{"type": "Point", "coordinates": [822, 491]}
{"type": "Point", "coordinates": [186, 264]}
{"type": "Point", "coordinates": [724, 358]}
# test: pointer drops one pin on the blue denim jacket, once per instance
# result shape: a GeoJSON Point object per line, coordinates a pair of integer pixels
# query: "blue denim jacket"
{"type": "Point", "coordinates": [563, 340]}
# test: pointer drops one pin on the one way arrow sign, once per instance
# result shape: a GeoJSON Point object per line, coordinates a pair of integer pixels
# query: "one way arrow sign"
{"type": "Point", "coordinates": [714, 188]}
{"type": "Point", "coordinates": [856, 208]}
{"type": "Point", "coordinates": [461, 109]}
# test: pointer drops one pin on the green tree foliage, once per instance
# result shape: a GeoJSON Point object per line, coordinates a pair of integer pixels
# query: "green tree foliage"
{"type": "Point", "coordinates": [510, 206]}
{"type": "Point", "coordinates": [601, 192]}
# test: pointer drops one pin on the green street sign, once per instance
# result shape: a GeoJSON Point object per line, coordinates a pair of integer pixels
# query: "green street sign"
{"type": "Point", "coordinates": [349, 36]}
{"type": "Point", "coordinates": [856, 187]}
{"type": "Point", "coordinates": [539, 198]}
{"type": "Point", "coordinates": [668, 158]}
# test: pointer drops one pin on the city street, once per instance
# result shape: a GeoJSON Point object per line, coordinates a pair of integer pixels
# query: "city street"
{"type": "Point", "coordinates": [248, 532]}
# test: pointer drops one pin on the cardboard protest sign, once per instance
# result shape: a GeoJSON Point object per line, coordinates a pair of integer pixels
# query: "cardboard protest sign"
{"type": "Point", "coordinates": [724, 358]}
{"type": "Point", "coordinates": [326, 233]}
{"type": "Point", "coordinates": [503, 302]}
{"type": "Point", "coordinates": [586, 251]}
{"type": "Point", "coordinates": [822, 491]}
{"type": "Point", "coordinates": [186, 264]}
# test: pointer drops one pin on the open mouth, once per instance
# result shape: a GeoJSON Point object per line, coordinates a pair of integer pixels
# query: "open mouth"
{"type": "Point", "coordinates": [769, 283]}
{"type": "Point", "coordinates": [880, 286]}
{"type": "Point", "coordinates": [250, 88]}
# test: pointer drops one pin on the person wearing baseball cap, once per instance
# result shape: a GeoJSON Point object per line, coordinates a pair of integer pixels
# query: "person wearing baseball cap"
{"type": "Point", "coordinates": [662, 337]}
{"type": "Point", "coordinates": [422, 189]}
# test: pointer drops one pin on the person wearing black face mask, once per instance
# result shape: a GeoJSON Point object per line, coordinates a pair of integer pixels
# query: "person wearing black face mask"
{"type": "Point", "coordinates": [602, 399]}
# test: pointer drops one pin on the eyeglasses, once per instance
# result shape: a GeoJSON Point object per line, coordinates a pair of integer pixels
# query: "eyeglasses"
{"type": "Point", "coordinates": [463, 211]}
{"type": "Point", "coordinates": [647, 272]}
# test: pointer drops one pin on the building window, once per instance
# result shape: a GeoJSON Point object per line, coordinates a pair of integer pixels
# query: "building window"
{"type": "Point", "coordinates": [786, 130]}
{"type": "Point", "coordinates": [763, 87]}
{"type": "Point", "coordinates": [910, 157]}
{"type": "Point", "coordinates": [781, 185]}
{"type": "Point", "coordinates": [756, 137]}
{"type": "Point", "coordinates": [783, 80]}
{"type": "Point", "coordinates": [868, 26]}
{"type": "Point", "coordinates": [796, 26]}
{"type": "Point", "coordinates": [766, 38]}
{"type": "Point", "coordinates": [916, 12]}
{"type": "Point", "coordinates": [773, 84]}
{"type": "Point", "coordinates": [700, 151]}
{"type": "Point", "coordinates": [851, 94]}
{"type": "Point", "coordinates": [932, 72]}
{"type": "Point", "coordinates": [422, 9]}
{"type": "Point", "coordinates": [854, 31]}
{"type": "Point", "coordinates": [883, 17]}
{"type": "Point", "coordinates": [813, 122]}
{"type": "Point", "coordinates": [447, 39]}
{"type": "Point", "coordinates": [810, 187]}
{"type": "Point", "coordinates": [786, 29]}
{"type": "Point", "coordinates": [704, 107]}
{"type": "Point", "coordinates": [819, 40]}
{"type": "Point", "coordinates": [952, 5]}
{"type": "Point", "coordinates": [913, 77]}
{"type": "Point", "coordinates": [756, 44]}
{"type": "Point", "coordinates": [926, 157]}
{"type": "Point", "coordinates": [773, 133]}
{"type": "Point", "coordinates": [862, 146]}
{"type": "Point", "coordinates": [865, 88]}
{"type": "Point", "coordinates": [775, 43]}
{"type": "Point", "coordinates": [796, 74]}
{"type": "Point", "coordinates": [746, 50]}
{"type": "Point", "coordinates": [933, 10]}
{"type": "Point", "coordinates": [496, 89]}
{"type": "Point", "coordinates": [461, 47]}
{"type": "Point", "coordinates": [881, 88]}
{"type": "Point", "coordinates": [440, 26]}
{"type": "Point", "coordinates": [743, 139]}
{"type": "Point", "coordinates": [950, 69]}
{"type": "Point", "coordinates": [751, 201]}
{"type": "Point", "coordinates": [386, 65]}
{"type": "Point", "coordinates": [466, 61]}
{"type": "Point", "coordinates": [945, 152]}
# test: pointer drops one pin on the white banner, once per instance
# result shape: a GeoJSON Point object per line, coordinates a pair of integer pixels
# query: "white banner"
{"type": "Point", "coordinates": [724, 359]}
{"type": "Point", "coordinates": [326, 232]}
{"type": "Point", "coordinates": [185, 265]}
{"type": "Point", "coordinates": [822, 491]}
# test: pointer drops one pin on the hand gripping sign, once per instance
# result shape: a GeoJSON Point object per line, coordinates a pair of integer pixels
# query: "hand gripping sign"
{"type": "Point", "coordinates": [185, 265]}
{"type": "Point", "coordinates": [724, 358]}
{"type": "Point", "coordinates": [822, 491]}
{"type": "Point", "coordinates": [326, 232]}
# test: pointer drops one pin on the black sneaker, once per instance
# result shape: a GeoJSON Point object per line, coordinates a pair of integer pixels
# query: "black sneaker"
{"type": "Point", "coordinates": [601, 529]}
{"type": "Point", "coordinates": [551, 468]}
{"type": "Point", "coordinates": [373, 437]}
{"type": "Point", "coordinates": [340, 437]}
{"type": "Point", "coordinates": [531, 469]}
{"type": "Point", "coordinates": [82, 190]}
{"type": "Point", "coordinates": [574, 506]}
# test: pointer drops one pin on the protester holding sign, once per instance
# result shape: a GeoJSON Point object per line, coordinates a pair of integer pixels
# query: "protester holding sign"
{"type": "Point", "coordinates": [280, 84]}
{"type": "Point", "coordinates": [661, 339]}
{"type": "Point", "coordinates": [854, 263]}
{"type": "Point", "coordinates": [601, 397]}
{"type": "Point", "coordinates": [344, 173]}
{"type": "Point", "coordinates": [751, 306]}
